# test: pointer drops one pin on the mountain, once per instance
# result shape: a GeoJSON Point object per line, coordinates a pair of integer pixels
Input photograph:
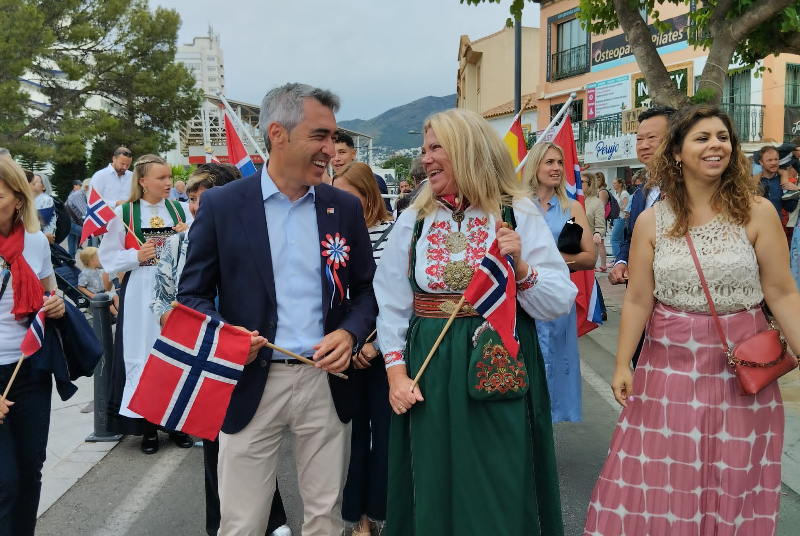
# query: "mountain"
{"type": "Point", "coordinates": [390, 129]}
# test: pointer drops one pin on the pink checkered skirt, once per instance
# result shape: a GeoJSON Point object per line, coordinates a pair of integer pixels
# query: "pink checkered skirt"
{"type": "Point", "coordinates": [690, 456]}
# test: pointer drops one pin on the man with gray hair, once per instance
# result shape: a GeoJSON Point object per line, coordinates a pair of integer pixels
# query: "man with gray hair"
{"type": "Point", "coordinates": [4, 152]}
{"type": "Point", "coordinates": [256, 247]}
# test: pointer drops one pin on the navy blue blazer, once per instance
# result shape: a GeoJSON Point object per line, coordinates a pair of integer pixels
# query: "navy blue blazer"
{"type": "Point", "coordinates": [229, 256]}
{"type": "Point", "coordinates": [638, 205]}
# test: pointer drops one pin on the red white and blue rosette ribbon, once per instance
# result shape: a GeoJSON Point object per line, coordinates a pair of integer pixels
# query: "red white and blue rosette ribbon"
{"type": "Point", "coordinates": [335, 249]}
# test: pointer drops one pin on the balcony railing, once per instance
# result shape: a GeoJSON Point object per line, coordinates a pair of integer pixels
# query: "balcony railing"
{"type": "Point", "coordinates": [748, 119]}
{"type": "Point", "coordinates": [569, 63]}
{"type": "Point", "coordinates": [600, 128]}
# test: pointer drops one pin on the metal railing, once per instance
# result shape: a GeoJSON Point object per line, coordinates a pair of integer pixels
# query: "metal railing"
{"type": "Point", "coordinates": [748, 119]}
{"type": "Point", "coordinates": [599, 128]}
{"type": "Point", "coordinates": [569, 63]}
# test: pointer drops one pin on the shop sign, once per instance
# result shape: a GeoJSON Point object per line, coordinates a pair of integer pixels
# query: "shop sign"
{"type": "Point", "coordinates": [616, 50]}
{"type": "Point", "coordinates": [608, 97]}
{"type": "Point", "coordinates": [680, 77]}
{"type": "Point", "coordinates": [791, 121]}
{"type": "Point", "coordinates": [610, 149]}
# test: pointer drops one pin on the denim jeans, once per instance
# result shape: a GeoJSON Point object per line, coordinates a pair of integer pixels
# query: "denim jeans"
{"type": "Point", "coordinates": [23, 448]}
{"type": "Point", "coordinates": [73, 240]}
{"type": "Point", "coordinates": [617, 235]}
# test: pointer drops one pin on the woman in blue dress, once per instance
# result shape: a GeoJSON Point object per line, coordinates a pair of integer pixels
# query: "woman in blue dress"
{"type": "Point", "coordinates": [558, 339]}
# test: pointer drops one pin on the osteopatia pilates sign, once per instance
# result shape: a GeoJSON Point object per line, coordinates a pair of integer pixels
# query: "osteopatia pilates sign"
{"type": "Point", "coordinates": [610, 149]}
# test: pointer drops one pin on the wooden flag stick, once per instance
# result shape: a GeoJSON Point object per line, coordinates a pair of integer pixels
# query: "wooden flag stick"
{"type": "Point", "coordinates": [438, 342]}
{"type": "Point", "coordinates": [302, 359]}
{"type": "Point", "coordinates": [369, 337]}
{"type": "Point", "coordinates": [14, 375]}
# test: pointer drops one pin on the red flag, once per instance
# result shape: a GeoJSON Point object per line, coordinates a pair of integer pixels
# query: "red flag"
{"type": "Point", "coordinates": [493, 293]}
{"type": "Point", "coordinates": [187, 382]}
{"type": "Point", "coordinates": [237, 154]}
{"type": "Point", "coordinates": [98, 214]}
{"type": "Point", "coordinates": [131, 241]}
{"type": "Point", "coordinates": [586, 303]}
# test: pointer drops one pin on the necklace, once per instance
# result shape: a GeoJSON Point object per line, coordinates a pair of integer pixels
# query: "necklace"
{"type": "Point", "coordinates": [456, 242]}
{"type": "Point", "coordinates": [155, 220]}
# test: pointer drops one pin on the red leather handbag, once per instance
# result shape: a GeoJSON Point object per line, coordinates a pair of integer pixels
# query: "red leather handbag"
{"type": "Point", "coordinates": [758, 360]}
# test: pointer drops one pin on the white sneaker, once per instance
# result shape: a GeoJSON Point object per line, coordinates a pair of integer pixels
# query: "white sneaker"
{"type": "Point", "coordinates": [283, 530]}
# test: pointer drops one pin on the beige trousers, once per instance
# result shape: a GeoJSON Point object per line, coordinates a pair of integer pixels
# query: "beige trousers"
{"type": "Point", "coordinates": [296, 396]}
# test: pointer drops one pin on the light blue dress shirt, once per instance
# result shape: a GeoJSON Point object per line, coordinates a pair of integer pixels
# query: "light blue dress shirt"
{"type": "Point", "coordinates": [295, 246]}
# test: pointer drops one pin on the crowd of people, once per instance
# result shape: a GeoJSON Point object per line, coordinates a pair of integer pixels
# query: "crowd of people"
{"type": "Point", "coordinates": [308, 255]}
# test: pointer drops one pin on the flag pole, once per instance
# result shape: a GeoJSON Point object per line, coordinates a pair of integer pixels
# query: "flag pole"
{"type": "Point", "coordinates": [235, 117]}
{"type": "Point", "coordinates": [553, 123]}
{"type": "Point", "coordinates": [438, 342]}
{"type": "Point", "coordinates": [14, 375]}
{"type": "Point", "coordinates": [519, 113]}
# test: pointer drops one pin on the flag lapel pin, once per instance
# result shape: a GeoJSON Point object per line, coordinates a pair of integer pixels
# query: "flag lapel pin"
{"type": "Point", "coordinates": [330, 210]}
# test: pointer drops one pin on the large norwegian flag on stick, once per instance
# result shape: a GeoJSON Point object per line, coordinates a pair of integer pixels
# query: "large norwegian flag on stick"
{"type": "Point", "coordinates": [237, 154]}
{"type": "Point", "coordinates": [587, 303]}
{"type": "Point", "coordinates": [98, 214]}
{"type": "Point", "coordinates": [493, 293]}
{"type": "Point", "coordinates": [189, 377]}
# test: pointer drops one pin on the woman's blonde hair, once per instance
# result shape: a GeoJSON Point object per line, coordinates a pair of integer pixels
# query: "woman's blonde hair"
{"type": "Point", "coordinates": [529, 173]}
{"type": "Point", "coordinates": [482, 166]}
{"type": "Point", "coordinates": [360, 176]}
{"type": "Point", "coordinates": [14, 177]}
{"type": "Point", "coordinates": [736, 187]}
{"type": "Point", "coordinates": [601, 180]}
{"type": "Point", "coordinates": [591, 189]}
{"type": "Point", "coordinates": [141, 168]}
{"type": "Point", "coordinates": [86, 255]}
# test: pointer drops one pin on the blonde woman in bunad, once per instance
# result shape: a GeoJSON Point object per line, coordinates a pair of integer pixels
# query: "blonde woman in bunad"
{"type": "Point", "coordinates": [690, 454]}
{"type": "Point", "coordinates": [152, 219]}
{"type": "Point", "coordinates": [471, 447]}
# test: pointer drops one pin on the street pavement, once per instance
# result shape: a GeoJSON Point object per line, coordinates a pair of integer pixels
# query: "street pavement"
{"type": "Point", "coordinates": [130, 494]}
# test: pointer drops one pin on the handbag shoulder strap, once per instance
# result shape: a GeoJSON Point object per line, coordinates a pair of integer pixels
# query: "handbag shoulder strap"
{"type": "Point", "coordinates": [707, 293]}
{"type": "Point", "coordinates": [383, 237]}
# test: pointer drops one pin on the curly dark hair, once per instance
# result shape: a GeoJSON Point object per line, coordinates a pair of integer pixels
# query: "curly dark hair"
{"type": "Point", "coordinates": [736, 187]}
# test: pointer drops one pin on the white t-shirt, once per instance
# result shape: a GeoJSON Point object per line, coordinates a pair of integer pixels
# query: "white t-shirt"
{"type": "Point", "coordinates": [112, 187]}
{"type": "Point", "coordinates": [619, 197]}
{"type": "Point", "coordinates": [37, 253]}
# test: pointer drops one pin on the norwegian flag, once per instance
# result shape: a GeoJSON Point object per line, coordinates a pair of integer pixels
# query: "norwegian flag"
{"type": "Point", "coordinates": [98, 214]}
{"type": "Point", "coordinates": [587, 303]}
{"type": "Point", "coordinates": [187, 382]}
{"type": "Point", "coordinates": [237, 154]}
{"type": "Point", "coordinates": [493, 293]}
{"type": "Point", "coordinates": [35, 335]}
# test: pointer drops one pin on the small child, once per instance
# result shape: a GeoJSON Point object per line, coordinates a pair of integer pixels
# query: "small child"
{"type": "Point", "coordinates": [93, 279]}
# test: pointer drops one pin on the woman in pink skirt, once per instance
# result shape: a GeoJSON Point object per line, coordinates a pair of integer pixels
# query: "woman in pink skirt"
{"type": "Point", "coordinates": [691, 456]}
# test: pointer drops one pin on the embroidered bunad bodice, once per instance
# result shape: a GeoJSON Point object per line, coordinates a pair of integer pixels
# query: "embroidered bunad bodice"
{"type": "Point", "coordinates": [726, 256]}
{"type": "Point", "coordinates": [443, 257]}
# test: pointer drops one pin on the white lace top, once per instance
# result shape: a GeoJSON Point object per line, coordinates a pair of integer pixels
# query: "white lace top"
{"type": "Point", "coordinates": [726, 256]}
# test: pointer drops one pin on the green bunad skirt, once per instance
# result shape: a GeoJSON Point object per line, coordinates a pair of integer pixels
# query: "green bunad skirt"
{"type": "Point", "coordinates": [459, 466]}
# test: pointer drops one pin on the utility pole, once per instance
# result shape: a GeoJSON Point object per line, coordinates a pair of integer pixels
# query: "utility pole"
{"type": "Point", "coordinates": [517, 64]}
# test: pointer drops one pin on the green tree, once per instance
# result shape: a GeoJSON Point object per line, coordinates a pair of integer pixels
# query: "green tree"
{"type": "Point", "coordinates": [732, 31]}
{"type": "Point", "coordinates": [399, 162]}
{"type": "Point", "coordinates": [105, 69]}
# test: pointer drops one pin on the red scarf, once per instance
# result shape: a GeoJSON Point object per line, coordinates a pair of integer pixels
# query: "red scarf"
{"type": "Point", "coordinates": [28, 290]}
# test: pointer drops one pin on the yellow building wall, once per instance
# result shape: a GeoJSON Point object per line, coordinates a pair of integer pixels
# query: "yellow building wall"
{"type": "Point", "coordinates": [489, 81]}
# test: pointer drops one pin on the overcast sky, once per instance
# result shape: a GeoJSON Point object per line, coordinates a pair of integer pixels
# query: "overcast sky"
{"type": "Point", "coordinates": [376, 54]}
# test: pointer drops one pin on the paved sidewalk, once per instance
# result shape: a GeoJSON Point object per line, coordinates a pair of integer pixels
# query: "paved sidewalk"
{"type": "Point", "coordinates": [607, 336]}
{"type": "Point", "coordinates": [69, 457]}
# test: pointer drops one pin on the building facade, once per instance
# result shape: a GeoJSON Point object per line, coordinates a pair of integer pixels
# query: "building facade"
{"type": "Point", "coordinates": [603, 72]}
{"type": "Point", "coordinates": [203, 56]}
{"type": "Point", "coordinates": [485, 82]}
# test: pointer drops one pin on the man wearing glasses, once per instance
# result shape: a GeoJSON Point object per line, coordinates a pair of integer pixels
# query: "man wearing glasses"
{"type": "Point", "coordinates": [113, 183]}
